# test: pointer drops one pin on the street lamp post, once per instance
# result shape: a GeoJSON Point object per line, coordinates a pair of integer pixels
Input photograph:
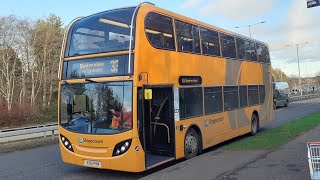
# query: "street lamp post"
{"type": "Point", "coordinates": [282, 73]}
{"type": "Point", "coordinates": [307, 78]}
{"type": "Point", "coordinates": [249, 26]}
{"type": "Point", "coordinates": [297, 45]}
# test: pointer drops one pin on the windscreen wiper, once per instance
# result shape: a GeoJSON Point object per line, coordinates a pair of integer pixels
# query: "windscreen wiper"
{"type": "Point", "coordinates": [90, 80]}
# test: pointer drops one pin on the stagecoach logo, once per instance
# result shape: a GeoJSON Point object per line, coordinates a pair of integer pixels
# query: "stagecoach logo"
{"type": "Point", "coordinates": [84, 140]}
{"type": "Point", "coordinates": [80, 140]}
{"type": "Point", "coordinates": [207, 122]}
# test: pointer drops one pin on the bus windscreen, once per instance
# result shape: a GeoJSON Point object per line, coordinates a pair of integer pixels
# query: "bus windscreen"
{"type": "Point", "coordinates": [96, 108]}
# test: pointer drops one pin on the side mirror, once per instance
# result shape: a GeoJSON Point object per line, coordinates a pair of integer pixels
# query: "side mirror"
{"type": "Point", "coordinates": [148, 94]}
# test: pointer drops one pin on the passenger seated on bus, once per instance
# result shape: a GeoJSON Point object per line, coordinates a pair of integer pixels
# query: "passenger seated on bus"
{"type": "Point", "coordinates": [115, 118]}
{"type": "Point", "coordinates": [156, 39]}
{"type": "Point", "coordinates": [161, 40]}
{"type": "Point", "coordinates": [127, 120]}
{"type": "Point", "coordinates": [169, 43]}
{"type": "Point", "coordinates": [121, 120]}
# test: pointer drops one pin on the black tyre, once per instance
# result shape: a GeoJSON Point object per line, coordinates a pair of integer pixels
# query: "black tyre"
{"type": "Point", "coordinates": [274, 105]}
{"type": "Point", "coordinates": [191, 144]}
{"type": "Point", "coordinates": [254, 124]}
{"type": "Point", "coordinates": [286, 105]}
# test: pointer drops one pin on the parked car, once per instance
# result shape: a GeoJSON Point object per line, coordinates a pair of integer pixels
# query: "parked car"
{"type": "Point", "coordinates": [281, 94]}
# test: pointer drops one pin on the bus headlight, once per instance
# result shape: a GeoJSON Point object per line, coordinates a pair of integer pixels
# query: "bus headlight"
{"type": "Point", "coordinates": [121, 147]}
{"type": "Point", "coordinates": [66, 143]}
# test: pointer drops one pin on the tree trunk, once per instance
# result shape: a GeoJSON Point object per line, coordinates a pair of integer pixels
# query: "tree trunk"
{"type": "Point", "coordinates": [32, 96]}
{"type": "Point", "coordinates": [44, 92]}
{"type": "Point", "coordinates": [50, 93]}
{"type": "Point", "coordinates": [23, 90]}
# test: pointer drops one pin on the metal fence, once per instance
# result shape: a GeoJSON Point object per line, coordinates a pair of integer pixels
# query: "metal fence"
{"type": "Point", "coordinates": [15, 134]}
{"type": "Point", "coordinates": [307, 96]}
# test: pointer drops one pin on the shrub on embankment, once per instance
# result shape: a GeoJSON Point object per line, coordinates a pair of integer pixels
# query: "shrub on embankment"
{"type": "Point", "coordinates": [22, 115]}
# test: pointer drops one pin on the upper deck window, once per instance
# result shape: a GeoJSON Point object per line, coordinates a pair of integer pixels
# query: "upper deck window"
{"type": "Point", "coordinates": [263, 53]}
{"type": "Point", "coordinates": [187, 37]}
{"type": "Point", "coordinates": [251, 53]}
{"type": "Point", "coordinates": [228, 46]}
{"type": "Point", "coordinates": [210, 42]}
{"type": "Point", "coordinates": [241, 49]}
{"type": "Point", "coordinates": [159, 30]}
{"type": "Point", "coordinates": [104, 32]}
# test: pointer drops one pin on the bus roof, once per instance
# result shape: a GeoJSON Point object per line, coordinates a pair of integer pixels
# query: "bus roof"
{"type": "Point", "coordinates": [188, 19]}
{"type": "Point", "coordinates": [203, 24]}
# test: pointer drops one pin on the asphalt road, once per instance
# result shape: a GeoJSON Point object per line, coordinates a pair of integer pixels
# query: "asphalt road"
{"type": "Point", "coordinates": [45, 162]}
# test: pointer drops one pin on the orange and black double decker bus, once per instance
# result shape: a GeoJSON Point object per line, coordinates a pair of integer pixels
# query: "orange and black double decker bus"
{"type": "Point", "coordinates": [141, 86]}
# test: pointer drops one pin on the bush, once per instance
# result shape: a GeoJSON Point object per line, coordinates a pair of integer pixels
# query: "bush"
{"type": "Point", "coordinates": [24, 115]}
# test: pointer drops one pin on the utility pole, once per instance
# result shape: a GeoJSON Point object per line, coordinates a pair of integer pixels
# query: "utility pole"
{"type": "Point", "coordinates": [250, 25]}
{"type": "Point", "coordinates": [297, 45]}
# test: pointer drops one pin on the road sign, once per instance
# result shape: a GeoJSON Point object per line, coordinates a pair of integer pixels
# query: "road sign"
{"type": "Point", "coordinates": [313, 3]}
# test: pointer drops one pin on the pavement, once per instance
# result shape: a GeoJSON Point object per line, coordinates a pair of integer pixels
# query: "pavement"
{"type": "Point", "coordinates": [287, 162]}
{"type": "Point", "coordinates": [290, 161]}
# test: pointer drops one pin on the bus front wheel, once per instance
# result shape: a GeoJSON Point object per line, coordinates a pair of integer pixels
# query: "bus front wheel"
{"type": "Point", "coordinates": [191, 144]}
{"type": "Point", "coordinates": [254, 124]}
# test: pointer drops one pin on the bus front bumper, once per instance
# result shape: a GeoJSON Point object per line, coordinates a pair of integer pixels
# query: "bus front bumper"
{"type": "Point", "coordinates": [131, 161]}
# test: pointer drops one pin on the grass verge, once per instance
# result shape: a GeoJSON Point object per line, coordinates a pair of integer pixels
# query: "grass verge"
{"type": "Point", "coordinates": [276, 137]}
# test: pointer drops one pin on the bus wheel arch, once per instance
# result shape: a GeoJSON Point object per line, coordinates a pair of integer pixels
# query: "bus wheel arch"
{"type": "Point", "coordinates": [196, 129]}
{"type": "Point", "coordinates": [255, 127]}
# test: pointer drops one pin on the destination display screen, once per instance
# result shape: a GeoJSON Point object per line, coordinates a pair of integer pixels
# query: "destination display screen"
{"type": "Point", "coordinates": [97, 67]}
{"type": "Point", "coordinates": [190, 80]}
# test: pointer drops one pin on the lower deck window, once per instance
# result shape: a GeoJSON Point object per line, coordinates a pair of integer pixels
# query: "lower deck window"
{"type": "Point", "coordinates": [231, 99]}
{"type": "Point", "coordinates": [213, 99]}
{"type": "Point", "coordinates": [190, 102]}
{"type": "Point", "coordinates": [262, 93]}
{"type": "Point", "coordinates": [243, 96]}
{"type": "Point", "coordinates": [253, 95]}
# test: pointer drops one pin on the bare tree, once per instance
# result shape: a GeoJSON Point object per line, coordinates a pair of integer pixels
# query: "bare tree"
{"type": "Point", "coordinates": [279, 75]}
{"type": "Point", "coordinates": [8, 58]}
{"type": "Point", "coordinates": [47, 48]}
{"type": "Point", "coordinates": [318, 78]}
{"type": "Point", "coordinates": [25, 52]}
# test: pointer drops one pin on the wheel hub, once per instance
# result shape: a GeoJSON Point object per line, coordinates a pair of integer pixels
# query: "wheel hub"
{"type": "Point", "coordinates": [191, 143]}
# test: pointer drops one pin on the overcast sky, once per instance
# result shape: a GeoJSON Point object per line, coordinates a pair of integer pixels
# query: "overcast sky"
{"type": "Point", "coordinates": [288, 22]}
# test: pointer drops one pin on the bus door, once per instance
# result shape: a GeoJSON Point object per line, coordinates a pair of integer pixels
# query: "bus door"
{"type": "Point", "coordinates": [158, 125]}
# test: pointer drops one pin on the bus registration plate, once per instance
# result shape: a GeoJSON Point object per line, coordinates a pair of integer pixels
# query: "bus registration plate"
{"type": "Point", "coordinates": [92, 163]}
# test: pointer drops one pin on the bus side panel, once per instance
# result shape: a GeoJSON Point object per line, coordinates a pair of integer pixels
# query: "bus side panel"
{"type": "Point", "coordinates": [213, 126]}
{"type": "Point", "coordinates": [215, 134]}
{"type": "Point", "coordinates": [261, 76]}
{"type": "Point", "coordinates": [268, 103]}
{"type": "Point", "coordinates": [266, 114]}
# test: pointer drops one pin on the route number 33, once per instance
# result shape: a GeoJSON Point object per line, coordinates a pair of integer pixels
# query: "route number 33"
{"type": "Point", "coordinates": [114, 66]}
